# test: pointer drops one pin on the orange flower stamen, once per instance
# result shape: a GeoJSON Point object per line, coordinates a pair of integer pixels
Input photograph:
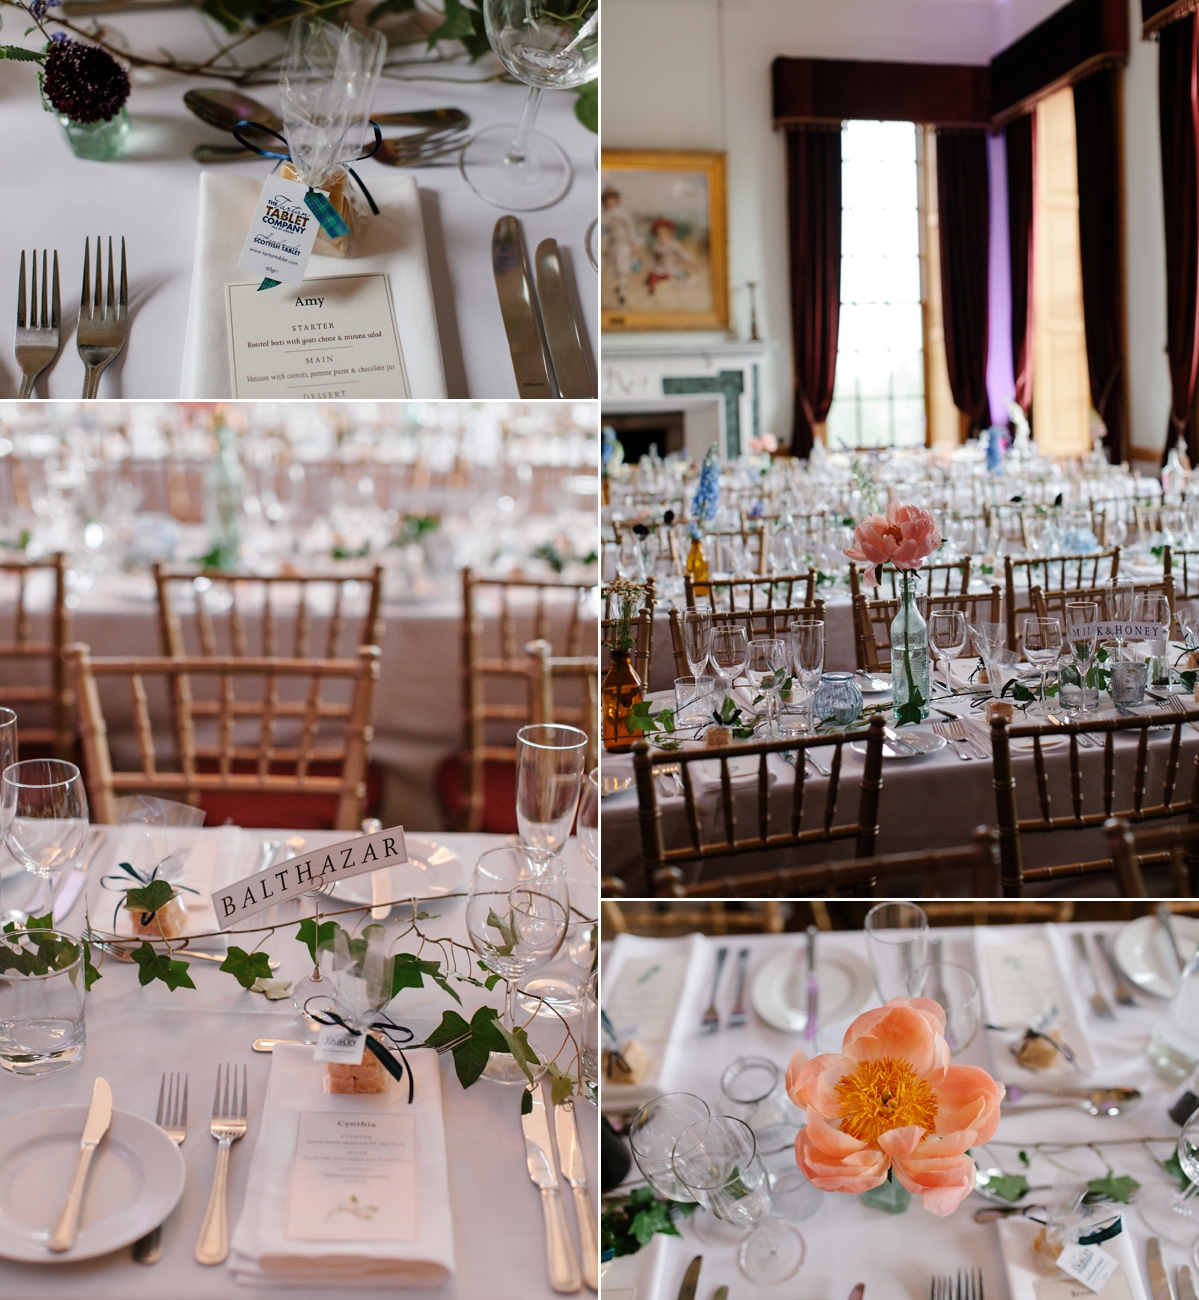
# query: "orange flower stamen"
{"type": "Point", "coordinates": [885, 1094]}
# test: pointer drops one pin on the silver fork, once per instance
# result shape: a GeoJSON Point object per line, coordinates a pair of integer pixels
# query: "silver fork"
{"type": "Point", "coordinates": [969, 1285]}
{"type": "Point", "coordinates": [942, 730]}
{"type": "Point", "coordinates": [1099, 1004]}
{"type": "Point", "coordinates": [1177, 706]}
{"type": "Point", "coordinates": [422, 147]}
{"type": "Point", "coordinates": [711, 1021]}
{"type": "Point", "coordinates": [38, 337]}
{"type": "Point", "coordinates": [671, 770]}
{"type": "Point", "coordinates": [172, 1119]}
{"type": "Point", "coordinates": [956, 729]}
{"type": "Point", "coordinates": [228, 1124]}
{"type": "Point", "coordinates": [100, 334]}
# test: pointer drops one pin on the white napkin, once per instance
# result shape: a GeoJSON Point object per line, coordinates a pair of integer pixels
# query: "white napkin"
{"type": "Point", "coordinates": [743, 771]}
{"type": "Point", "coordinates": [261, 1251]}
{"type": "Point", "coordinates": [1015, 1241]}
{"type": "Point", "coordinates": [394, 242]}
{"type": "Point", "coordinates": [214, 861]}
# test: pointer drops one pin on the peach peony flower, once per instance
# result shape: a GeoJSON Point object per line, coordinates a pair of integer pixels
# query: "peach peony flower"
{"type": "Point", "coordinates": [905, 536]}
{"type": "Point", "coordinates": [891, 1100]}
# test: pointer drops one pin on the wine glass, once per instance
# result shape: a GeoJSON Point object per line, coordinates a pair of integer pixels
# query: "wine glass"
{"type": "Point", "coordinates": [1169, 1212]}
{"type": "Point", "coordinates": [43, 817]}
{"type": "Point", "coordinates": [697, 640]}
{"type": "Point", "coordinates": [1120, 597]}
{"type": "Point", "coordinates": [1082, 617]}
{"type": "Point", "coordinates": [896, 945]}
{"type": "Point", "coordinates": [1042, 648]}
{"type": "Point", "coordinates": [729, 653]}
{"type": "Point", "coordinates": [717, 1160]}
{"type": "Point", "coordinates": [517, 911]}
{"type": "Point", "coordinates": [955, 989]}
{"type": "Point", "coordinates": [988, 641]}
{"type": "Point", "coordinates": [587, 822]}
{"type": "Point", "coordinates": [654, 1130]}
{"type": "Point", "coordinates": [547, 45]}
{"type": "Point", "coordinates": [768, 670]}
{"type": "Point", "coordinates": [947, 638]}
{"type": "Point", "coordinates": [550, 761]}
{"type": "Point", "coordinates": [8, 738]}
{"type": "Point", "coordinates": [807, 652]}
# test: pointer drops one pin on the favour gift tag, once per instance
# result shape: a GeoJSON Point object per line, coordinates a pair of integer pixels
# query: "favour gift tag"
{"type": "Point", "coordinates": [282, 233]}
{"type": "Point", "coordinates": [1089, 1264]}
{"type": "Point", "coordinates": [335, 1043]}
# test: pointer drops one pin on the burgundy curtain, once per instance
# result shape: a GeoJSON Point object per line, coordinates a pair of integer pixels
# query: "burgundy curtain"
{"type": "Point", "coordinates": [1178, 105]}
{"type": "Point", "coordinates": [1021, 160]}
{"type": "Point", "coordinates": [814, 217]}
{"type": "Point", "coordinates": [1097, 127]}
{"type": "Point", "coordinates": [963, 203]}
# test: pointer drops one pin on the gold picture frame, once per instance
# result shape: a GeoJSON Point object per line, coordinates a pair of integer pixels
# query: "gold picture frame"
{"type": "Point", "coordinates": [664, 236]}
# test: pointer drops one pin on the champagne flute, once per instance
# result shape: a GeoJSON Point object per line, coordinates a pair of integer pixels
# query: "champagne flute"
{"type": "Point", "coordinates": [807, 651]}
{"type": "Point", "coordinates": [517, 911]}
{"type": "Point", "coordinates": [896, 946]}
{"type": "Point", "coordinates": [549, 773]}
{"type": "Point", "coordinates": [8, 738]}
{"type": "Point", "coordinates": [988, 641]}
{"type": "Point", "coordinates": [697, 640]}
{"type": "Point", "coordinates": [1120, 597]}
{"type": "Point", "coordinates": [43, 818]}
{"type": "Point", "coordinates": [1082, 618]}
{"type": "Point", "coordinates": [947, 637]}
{"type": "Point", "coordinates": [1153, 607]}
{"type": "Point", "coordinates": [1042, 648]}
{"type": "Point", "coordinates": [729, 653]}
{"type": "Point", "coordinates": [547, 45]}
{"type": "Point", "coordinates": [587, 823]}
{"type": "Point", "coordinates": [768, 669]}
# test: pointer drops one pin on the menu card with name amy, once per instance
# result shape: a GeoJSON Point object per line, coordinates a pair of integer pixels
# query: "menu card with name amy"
{"type": "Point", "coordinates": [354, 1177]}
{"type": "Point", "coordinates": [332, 337]}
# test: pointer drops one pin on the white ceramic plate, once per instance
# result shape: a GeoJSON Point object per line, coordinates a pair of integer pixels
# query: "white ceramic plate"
{"type": "Point", "coordinates": [432, 870]}
{"type": "Point", "coordinates": [136, 1179]}
{"type": "Point", "coordinates": [872, 683]}
{"type": "Point", "coordinates": [779, 992]}
{"type": "Point", "coordinates": [923, 742]}
{"type": "Point", "coordinates": [1144, 952]}
{"type": "Point", "coordinates": [1025, 745]}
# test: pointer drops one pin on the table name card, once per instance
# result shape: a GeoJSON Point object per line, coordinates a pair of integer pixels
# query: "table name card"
{"type": "Point", "coordinates": [354, 1177]}
{"type": "Point", "coordinates": [333, 337]}
{"type": "Point", "coordinates": [1065, 1288]}
{"type": "Point", "coordinates": [292, 878]}
{"type": "Point", "coordinates": [1119, 631]}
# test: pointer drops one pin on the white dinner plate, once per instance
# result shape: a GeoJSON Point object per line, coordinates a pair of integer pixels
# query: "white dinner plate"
{"type": "Point", "coordinates": [1026, 744]}
{"type": "Point", "coordinates": [1143, 952]}
{"type": "Point", "coordinates": [872, 683]}
{"type": "Point", "coordinates": [432, 870]}
{"type": "Point", "coordinates": [779, 992]}
{"type": "Point", "coordinates": [136, 1179]}
{"type": "Point", "coordinates": [922, 743]}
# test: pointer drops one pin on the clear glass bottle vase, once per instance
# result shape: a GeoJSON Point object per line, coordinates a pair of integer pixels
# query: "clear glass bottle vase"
{"type": "Point", "coordinates": [911, 676]}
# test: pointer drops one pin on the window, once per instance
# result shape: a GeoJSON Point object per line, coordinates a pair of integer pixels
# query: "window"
{"type": "Point", "coordinates": [878, 400]}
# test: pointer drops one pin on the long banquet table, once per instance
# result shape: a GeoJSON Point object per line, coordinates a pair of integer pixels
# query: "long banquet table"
{"type": "Point", "coordinates": [134, 1034]}
{"type": "Point", "coordinates": [849, 1243]}
{"type": "Point", "coordinates": [150, 196]}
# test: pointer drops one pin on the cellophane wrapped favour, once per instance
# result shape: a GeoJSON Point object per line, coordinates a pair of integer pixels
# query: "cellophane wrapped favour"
{"type": "Point", "coordinates": [327, 86]}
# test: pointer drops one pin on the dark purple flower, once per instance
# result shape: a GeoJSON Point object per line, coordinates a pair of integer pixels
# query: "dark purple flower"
{"type": "Point", "coordinates": [84, 82]}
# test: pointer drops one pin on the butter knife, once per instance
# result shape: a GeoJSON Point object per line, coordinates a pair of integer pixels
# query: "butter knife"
{"type": "Point", "coordinates": [1159, 1280]}
{"type": "Point", "coordinates": [813, 989]}
{"type": "Point", "coordinates": [1186, 1284]}
{"type": "Point", "coordinates": [562, 331]}
{"type": "Point", "coordinates": [518, 307]}
{"type": "Point", "coordinates": [691, 1279]}
{"type": "Point", "coordinates": [99, 1116]}
{"type": "Point", "coordinates": [898, 743]}
{"type": "Point", "coordinates": [560, 1255]}
{"type": "Point", "coordinates": [570, 1157]}
{"type": "Point", "coordinates": [380, 880]}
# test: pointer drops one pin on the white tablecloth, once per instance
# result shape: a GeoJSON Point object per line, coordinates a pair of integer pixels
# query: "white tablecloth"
{"type": "Point", "coordinates": [150, 196]}
{"type": "Point", "coordinates": [895, 1256]}
{"type": "Point", "coordinates": [136, 1033]}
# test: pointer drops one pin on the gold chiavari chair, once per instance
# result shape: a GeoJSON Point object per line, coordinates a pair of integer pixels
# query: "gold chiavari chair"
{"type": "Point", "coordinates": [727, 595]}
{"type": "Point", "coordinates": [1182, 565]}
{"type": "Point", "coordinates": [44, 708]}
{"type": "Point", "coordinates": [872, 621]}
{"type": "Point", "coordinates": [1131, 848]}
{"type": "Point", "coordinates": [942, 579]}
{"type": "Point", "coordinates": [1052, 604]}
{"type": "Point", "coordinates": [760, 624]}
{"type": "Point", "coordinates": [306, 745]}
{"type": "Point", "coordinates": [580, 672]}
{"type": "Point", "coordinates": [1050, 573]}
{"type": "Point", "coordinates": [1093, 777]}
{"type": "Point", "coordinates": [663, 866]}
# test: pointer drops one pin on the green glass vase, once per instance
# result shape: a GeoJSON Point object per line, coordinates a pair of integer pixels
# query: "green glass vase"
{"type": "Point", "coordinates": [98, 141]}
{"type": "Point", "coordinates": [891, 1196]}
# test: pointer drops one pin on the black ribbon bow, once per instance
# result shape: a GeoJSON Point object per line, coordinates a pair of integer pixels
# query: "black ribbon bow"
{"type": "Point", "coordinates": [286, 157]}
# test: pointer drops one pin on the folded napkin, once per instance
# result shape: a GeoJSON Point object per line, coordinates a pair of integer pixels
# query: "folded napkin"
{"type": "Point", "coordinates": [261, 1251]}
{"type": "Point", "coordinates": [1025, 1281]}
{"type": "Point", "coordinates": [393, 242]}
{"type": "Point", "coordinates": [215, 857]}
{"type": "Point", "coordinates": [743, 771]}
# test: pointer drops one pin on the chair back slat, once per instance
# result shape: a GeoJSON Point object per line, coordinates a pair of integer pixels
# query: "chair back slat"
{"type": "Point", "coordinates": [832, 790]}
{"type": "Point", "coordinates": [1042, 777]}
{"type": "Point", "coordinates": [944, 578]}
{"type": "Point", "coordinates": [731, 595]}
{"type": "Point", "coordinates": [270, 645]}
{"type": "Point", "coordinates": [141, 717]}
{"type": "Point", "coordinates": [728, 812]}
{"type": "Point", "coordinates": [43, 684]}
{"type": "Point", "coordinates": [1075, 778]}
{"type": "Point", "coordinates": [763, 799]}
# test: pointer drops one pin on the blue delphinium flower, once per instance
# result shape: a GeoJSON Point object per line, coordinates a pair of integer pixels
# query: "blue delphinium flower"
{"type": "Point", "coordinates": [706, 501]}
{"type": "Point", "coordinates": [607, 446]}
{"type": "Point", "coordinates": [37, 8]}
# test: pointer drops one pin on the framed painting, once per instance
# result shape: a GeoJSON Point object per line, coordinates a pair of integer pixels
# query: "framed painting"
{"type": "Point", "coordinates": [663, 240]}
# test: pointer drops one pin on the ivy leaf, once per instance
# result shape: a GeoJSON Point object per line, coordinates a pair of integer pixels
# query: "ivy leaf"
{"type": "Point", "coordinates": [471, 1056]}
{"type": "Point", "coordinates": [628, 1225]}
{"type": "Point", "coordinates": [507, 933]}
{"type": "Point", "coordinates": [1023, 1155]}
{"type": "Point", "coordinates": [518, 1045]}
{"type": "Point", "coordinates": [159, 966]}
{"type": "Point", "coordinates": [246, 967]}
{"type": "Point", "coordinates": [1172, 1166]}
{"type": "Point", "coordinates": [491, 981]}
{"type": "Point", "coordinates": [1111, 1188]}
{"type": "Point", "coordinates": [526, 1101]}
{"type": "Point", "coordinates": [1008, 1187]}
{"type": "Point", "coordinates": [158, 893]}
{"type": "Point", "coordinates": [587, 105]}
{"type": "Point", "coordinates": [90, 973]}
{"type": "Point", "coordinates": [562, 1085]}
{"type": "Point", "coordinates": [312, 938]}
{"type": "Point", "coordinates": [39, 922]}
{"type": "Point", "coordinates": [457, 25]}
{"type": "Point", "coordinates": [408, 972]}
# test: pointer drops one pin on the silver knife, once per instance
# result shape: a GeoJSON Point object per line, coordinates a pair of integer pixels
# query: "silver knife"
{"type": "Point", "coordinates": [560, 1256]}
{"type": "Point", "coordinates": [898, 743]}
{"type": "Point", "coordinates": [1159, 1279]}
{"type": "Point", "coordinates": [562, 331]}
{"type": "Point", "coordinates": [99, 1116]}
{"type": "Point", "coordinates": [691, 1279]}
{"type": "Point", "coordinates": [1186, 1284]}
{"type": "Point", "coordinates": [813, 989]}
{"type": "Point", "coordinates": [1166, 921]}
{"type": "Point", "coordinates": [1124, 987]}
{"type": "Point", "coordinates": [518, 307]}
{"type": "Point", "coordinates": [570, 1157]}
{"type": "Point", "coordinates": [73, 881]}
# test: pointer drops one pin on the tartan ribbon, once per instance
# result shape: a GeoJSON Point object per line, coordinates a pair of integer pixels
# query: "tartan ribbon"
{"type": "Point", "coordinates": [389, 1029]}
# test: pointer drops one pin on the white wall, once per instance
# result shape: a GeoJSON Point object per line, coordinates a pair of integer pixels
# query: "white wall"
{"type": "Point", "coordinates": [695, 74]}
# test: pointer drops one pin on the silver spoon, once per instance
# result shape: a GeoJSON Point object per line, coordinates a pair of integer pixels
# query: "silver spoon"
{"type": "Point", "coordinates": [1108, 1102]}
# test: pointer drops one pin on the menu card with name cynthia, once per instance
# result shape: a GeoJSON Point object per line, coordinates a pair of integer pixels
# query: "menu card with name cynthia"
{"type": "Point", "coordinates": [332, 337]}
